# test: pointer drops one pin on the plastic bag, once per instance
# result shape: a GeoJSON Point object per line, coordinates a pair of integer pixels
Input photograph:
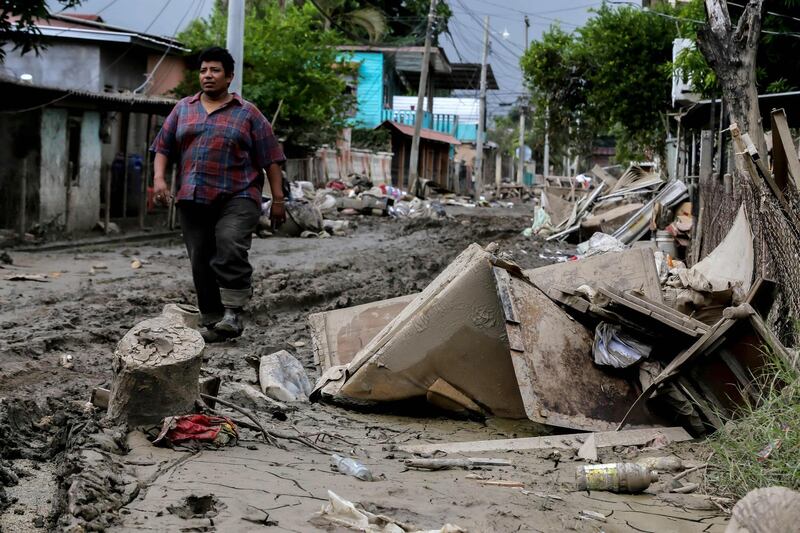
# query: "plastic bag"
{"type": "Point", "coordinates": [600, 243]}
{"type": "Point", "coordinates": [615, 348]}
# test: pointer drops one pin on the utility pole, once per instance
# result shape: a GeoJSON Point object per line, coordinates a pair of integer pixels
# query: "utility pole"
{"type": "Point", "coordinates": [546, 169]}
{"type": "Point", "coordinates": [478, 170]}
{"type": "Point", "coordinates": [235, 42]}
{"type": "Point", "coordinates": [413, 174]}
{"type": "Point", "coordinates": [523, 109]}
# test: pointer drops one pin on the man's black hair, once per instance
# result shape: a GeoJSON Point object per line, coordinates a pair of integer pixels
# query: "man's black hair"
{"type": "Point", "coordinates": [217, 53]}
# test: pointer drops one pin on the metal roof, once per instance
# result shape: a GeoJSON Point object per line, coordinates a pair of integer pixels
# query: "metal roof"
{"type": "Point", "coordinates": [22, 96]}
{"type": "Point", "coordinates": [427, 134]}
{"type": "Point", "coordinates": [698, 116]}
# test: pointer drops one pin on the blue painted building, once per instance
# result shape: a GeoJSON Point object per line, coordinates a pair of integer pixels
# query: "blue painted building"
{"type": "Point", "coordinates": [385, 73]}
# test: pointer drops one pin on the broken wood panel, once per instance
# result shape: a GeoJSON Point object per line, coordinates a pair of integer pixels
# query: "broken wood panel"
{"type": "Point", "coordinates": [455, 331]}
{"type": "Point", "coordinates": [338, 335]}
{"type": "Point", "coordinates": [639, 306]}
{"type": "Point", "coordinates": [784, 154]}
{"type": "Point", "coordinates": [633, 269]}
{"type": "Point", "coordinates": [607, 178]}
{"type": "Point", "coordinates": [628, 437]}
{"type": "Point", "coordinates": [559, 383]}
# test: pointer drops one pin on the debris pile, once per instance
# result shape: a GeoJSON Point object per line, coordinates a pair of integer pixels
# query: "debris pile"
{"type": "Point", "coordinates": [627, 335]}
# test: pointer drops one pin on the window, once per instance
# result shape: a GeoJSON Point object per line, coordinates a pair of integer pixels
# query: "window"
{"type": "Point", "coordinates": [74, 120]}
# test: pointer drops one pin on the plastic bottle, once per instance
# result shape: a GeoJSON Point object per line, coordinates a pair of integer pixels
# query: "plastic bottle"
{"type": "Point", "coordinates": [615, 477]}
{"type": "Point", "coordinates": [351, 467]}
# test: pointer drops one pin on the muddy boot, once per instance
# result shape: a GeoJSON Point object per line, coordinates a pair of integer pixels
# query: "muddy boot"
{"type": "Point", "coordinates": [231, 324]}
{"type": "Point", "coordinates": [211, 336]}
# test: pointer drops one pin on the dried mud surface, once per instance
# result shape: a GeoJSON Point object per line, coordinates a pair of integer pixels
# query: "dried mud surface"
{"type": "Point", "coordinates": [61, 468]}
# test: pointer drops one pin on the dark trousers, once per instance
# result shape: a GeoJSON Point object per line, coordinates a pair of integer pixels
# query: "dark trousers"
{"type": "Point", "coordinates": [218, 237]}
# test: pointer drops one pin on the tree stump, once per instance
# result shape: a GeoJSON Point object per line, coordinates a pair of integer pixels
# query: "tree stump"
{"type": "Point", "coordinates": [156, 372]}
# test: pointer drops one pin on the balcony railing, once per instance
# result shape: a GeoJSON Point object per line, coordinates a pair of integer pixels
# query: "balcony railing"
{"type": "Point", "coordinates": [438, 122]}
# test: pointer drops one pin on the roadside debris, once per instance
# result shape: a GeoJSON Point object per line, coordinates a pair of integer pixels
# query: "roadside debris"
{"type": "Point", "coordinates": [766, 509]}
{"type": "Point", "coordinates": [615, 477]}
{"type": "Point", "coordinates": [446, 464]}
{"type": "Point", "coordinates": [41, 278]}
{"type": "Point", "coordinates": [343, 513]}
{"type": "Point", "coordinates": [350, 467]}
{"type": "Point", "coordinates": [198, 429]}
{"type": "Point", "coordinates": [283, 378]}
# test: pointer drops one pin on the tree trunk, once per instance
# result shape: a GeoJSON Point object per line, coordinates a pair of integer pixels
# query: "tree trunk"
{"type": "Point", "coordinates": [156, 372]}
{"type": "Point", "coordinates": [731, 52]}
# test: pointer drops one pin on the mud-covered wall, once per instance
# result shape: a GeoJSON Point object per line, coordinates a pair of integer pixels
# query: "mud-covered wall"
{"type": "Point", "coordinates": [19, 152]}
{"type": "Point", "coordinates": [84, 204]}
{"type": "Point", "coordinates": [52, 196]}
{"type": "Point", "coordinates": [85, 197]}
{"type": "Point", "coordinates": [62, 65]}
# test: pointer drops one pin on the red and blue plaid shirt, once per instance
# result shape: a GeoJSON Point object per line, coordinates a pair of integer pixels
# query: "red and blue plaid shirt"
{"type": "Point", "coordinates": [220, 154]}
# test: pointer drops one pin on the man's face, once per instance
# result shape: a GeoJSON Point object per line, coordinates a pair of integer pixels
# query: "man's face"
{"type": "Point", "coordinates": [213, 79]}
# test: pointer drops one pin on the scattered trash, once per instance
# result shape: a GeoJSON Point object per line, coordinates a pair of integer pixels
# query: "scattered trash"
{"type": "Point", "coordinates": [66, 360]}
{"type": "Point", "coordinates": [217, 430]}
{"type": "Point", "coordinates": [662, 464]}
{"type": "Point", "coordinates": [283, 378]}
{"type": "Point", "coordinates": [614, 347]}
{"type": "Point", "coordinates": [615, 477]}
{"type": "Point", "coordinates": [446, 464]}
{"type": "Point", "coordinates": [502, 483]}
{"type": "Point", "coordinates": [136, 264]}
{"type": "Point", "coordinates": [100, 266]}
{"type": "Point", "coordinates": [343, 513]}
{"type": "Point", "coordinates": [6, 259]}
{"type": "Point", "coordinates": [350, 467]}
{"type": "Point", "coordinates": [41, 278]}
{"type": "Point", "coordinates": [592, 515]}
{"type": "Point", "coordinates": [600, 243]}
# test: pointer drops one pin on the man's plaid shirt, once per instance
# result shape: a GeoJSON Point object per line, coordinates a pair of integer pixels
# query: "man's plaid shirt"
{"type": "Point", "coordinates": [219, 154]}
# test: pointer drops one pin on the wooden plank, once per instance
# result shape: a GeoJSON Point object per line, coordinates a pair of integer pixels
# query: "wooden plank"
{"type": "Point", "coordinates": [758, 169]}
{"type": "Point", "coordinates": [629, 437]}
{"type": "Point", "coordinates": [783, 150]}
{"type": "Point", "coordinates": [503, 281]}
{"type": "Point", "coordinates": [632, 269]}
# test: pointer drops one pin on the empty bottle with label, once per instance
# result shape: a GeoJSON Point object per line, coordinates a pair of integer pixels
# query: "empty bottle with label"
{"type": "Point", "coordinates": [351, 467]}
{"type": "Point", "coordinates": [615, 477]}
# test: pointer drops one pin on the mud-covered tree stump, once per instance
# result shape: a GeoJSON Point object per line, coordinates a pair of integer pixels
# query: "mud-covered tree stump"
{"type": "Point", "coordinates": [156, 372]}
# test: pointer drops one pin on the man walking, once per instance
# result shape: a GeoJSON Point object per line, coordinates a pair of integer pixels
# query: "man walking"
{"type": "Point", "coordinates": [222, 145]}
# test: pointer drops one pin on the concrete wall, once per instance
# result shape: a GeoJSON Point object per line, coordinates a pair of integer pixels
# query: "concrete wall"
{"type": "Point", "coordinates": [19, 152]}
{"type": "Point", "coordinates": [62, 65]}
{"type": "Point", "coordinates": [52, 196]}
{"type": "Point", "coordinates": [120, 72]}
{"type": "Point", "coordinates": [85, 197]}
{"type": "Point", "coordinates": [84, 205]}
{"type": "Point", "coordinates": [169, 74]}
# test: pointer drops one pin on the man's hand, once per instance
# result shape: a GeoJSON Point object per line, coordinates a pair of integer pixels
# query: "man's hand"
{"type": "Point", "coordinates": [277, 213]}
{"type": "Point", "coordinates": [161, 192]}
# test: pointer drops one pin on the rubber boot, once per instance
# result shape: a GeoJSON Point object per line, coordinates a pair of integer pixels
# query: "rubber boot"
{"type": "Point", "coordinates": [231, 324]}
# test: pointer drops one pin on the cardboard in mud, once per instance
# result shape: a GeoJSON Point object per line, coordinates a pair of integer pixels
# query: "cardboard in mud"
{"type": "Point", "coordinates": [482, 337]}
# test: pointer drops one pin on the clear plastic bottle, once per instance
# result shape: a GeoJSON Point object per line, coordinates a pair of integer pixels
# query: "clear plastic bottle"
{"type": "Point", "coordinates": [351, 467]}
{"type": "Point", "coordinates": [615, 477]}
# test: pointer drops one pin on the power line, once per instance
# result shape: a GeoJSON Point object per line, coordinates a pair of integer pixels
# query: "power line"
{"type": "Point", "coordinates": [70, 92]}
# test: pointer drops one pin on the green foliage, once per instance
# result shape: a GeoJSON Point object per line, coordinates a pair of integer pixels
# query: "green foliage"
{"type": "Point", "coordinates": [778, 43]}
{"type": "Point", "coordinates": [23, 33]}
{"type": "Point", "coordinates": [611, 76]}
{"type": "Point", "coordinates": [375, 140]}
{"type": "Point", "coordinates": [736, 467]}
{"type": "Point", "coordinates": [286, 58]}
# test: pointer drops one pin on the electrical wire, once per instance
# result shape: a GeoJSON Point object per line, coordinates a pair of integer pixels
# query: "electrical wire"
{"type": "Point", "coordinates": [70, 92]}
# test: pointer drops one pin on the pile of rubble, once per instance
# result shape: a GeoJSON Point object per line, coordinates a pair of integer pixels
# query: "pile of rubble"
{"type": "Point", "coordinates": [628, 336]}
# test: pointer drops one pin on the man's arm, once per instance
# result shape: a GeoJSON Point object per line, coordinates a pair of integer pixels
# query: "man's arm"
{"type": "Point", "coordinates": [160, 187]}
{"type": "Point", "coordinates": [277, 210]}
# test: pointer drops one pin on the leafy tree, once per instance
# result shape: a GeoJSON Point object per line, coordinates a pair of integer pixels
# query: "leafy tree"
{"type": "Point", "coordinates": [18, 23]}
{"type": "Point", "coordinates": [778, 41]}
{"type": "Point", "coordinates": [286, 59]}
{"type": "Point", "coordinates": [610, 76]}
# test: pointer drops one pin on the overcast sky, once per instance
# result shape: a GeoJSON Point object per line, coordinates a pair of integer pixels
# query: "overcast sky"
{"type": "Point", "coordinates": [167, 17]}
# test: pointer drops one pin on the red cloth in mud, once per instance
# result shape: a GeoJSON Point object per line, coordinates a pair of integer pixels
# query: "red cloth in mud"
{"type": "Point", "coordinates": [203, 428]}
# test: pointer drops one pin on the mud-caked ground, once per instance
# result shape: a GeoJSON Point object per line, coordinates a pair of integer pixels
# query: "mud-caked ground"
{"type": "Point", "coordinates": [62, 467]}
